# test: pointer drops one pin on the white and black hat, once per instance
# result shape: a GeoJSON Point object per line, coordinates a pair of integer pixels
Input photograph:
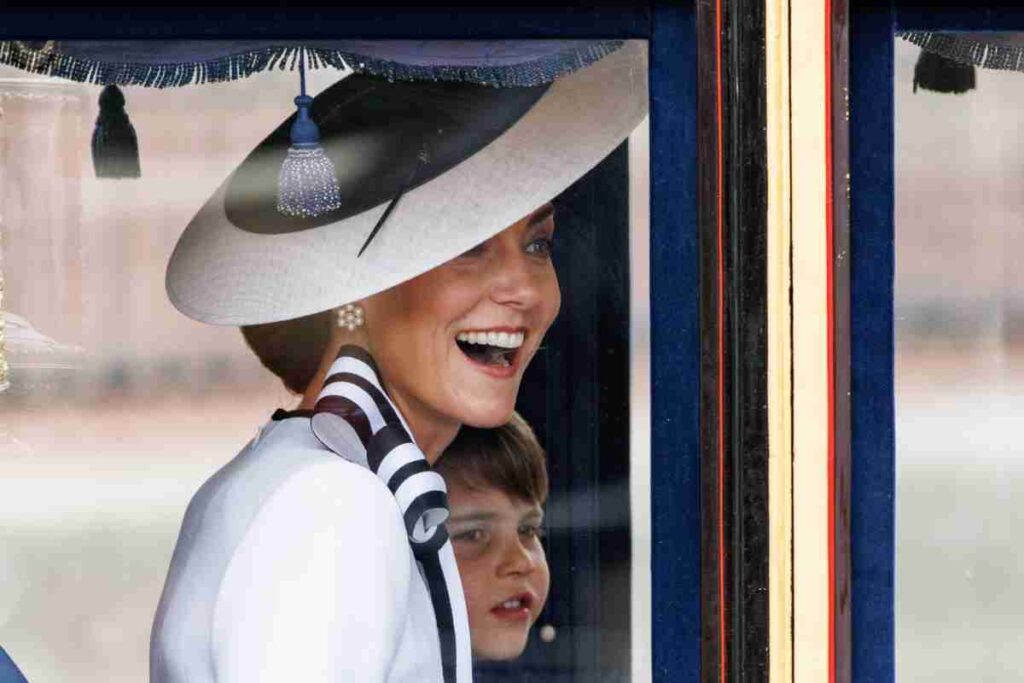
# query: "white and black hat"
{"type": "Point", "coordinates": [426, 170]}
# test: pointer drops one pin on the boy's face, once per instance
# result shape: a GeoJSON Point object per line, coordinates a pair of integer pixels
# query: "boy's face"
{"type": "Point", "coordinates": [502, 564]}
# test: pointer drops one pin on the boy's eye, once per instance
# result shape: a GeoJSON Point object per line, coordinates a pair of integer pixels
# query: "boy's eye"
{"type": "Point", "coordinates": [531, 531]}
{"type": "Point", "coordinates": [470, 536]}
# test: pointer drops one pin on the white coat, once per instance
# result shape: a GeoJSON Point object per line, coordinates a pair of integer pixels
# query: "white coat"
{"type": "Point", "coordinates": [293, 564]}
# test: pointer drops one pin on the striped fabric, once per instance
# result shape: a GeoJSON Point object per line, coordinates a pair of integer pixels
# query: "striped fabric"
{"type": "Point", "coordinates": [355, 418]}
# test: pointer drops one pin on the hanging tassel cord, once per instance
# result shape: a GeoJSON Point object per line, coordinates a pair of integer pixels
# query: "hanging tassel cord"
{"type": "Point", "coordinates": [304, 131]}
{"type": "Point", "coordinates": [307, 185]}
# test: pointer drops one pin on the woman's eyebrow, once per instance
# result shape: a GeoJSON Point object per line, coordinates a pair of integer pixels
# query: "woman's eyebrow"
{"type": "Point", "coordinates": [541, 214]}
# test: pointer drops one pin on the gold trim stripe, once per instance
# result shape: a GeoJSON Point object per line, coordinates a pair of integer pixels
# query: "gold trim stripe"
{"type": "Point", "coordinates": [798, 342]}
{"type": "Point", "coordinates": [780, 359]}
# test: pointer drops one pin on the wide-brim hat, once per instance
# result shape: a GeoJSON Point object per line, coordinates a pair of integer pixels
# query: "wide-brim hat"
{"type": "Point", "coordinates": [449, 164]}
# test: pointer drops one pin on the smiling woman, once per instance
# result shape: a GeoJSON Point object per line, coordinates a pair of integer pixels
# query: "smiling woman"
{"type": "Point", "coordinates": [502, 288]}
{"type": "Point", "coordinates": [499, 342]}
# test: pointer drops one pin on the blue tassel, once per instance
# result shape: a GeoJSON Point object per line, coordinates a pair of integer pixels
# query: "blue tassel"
{"type": "Point", "coordinates": [115, 149]}
{"type": "Point", "coordinates": [307, 185]}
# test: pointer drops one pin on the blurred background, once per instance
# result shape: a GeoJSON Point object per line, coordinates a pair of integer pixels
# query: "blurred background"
{"type": "Point", "coordinates": [119, 406]}
{"type": "Point", "coordinates": [959, 378]}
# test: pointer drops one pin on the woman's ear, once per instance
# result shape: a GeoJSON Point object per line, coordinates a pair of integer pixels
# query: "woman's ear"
{"type": "Point", "coordinates": [349, 327]}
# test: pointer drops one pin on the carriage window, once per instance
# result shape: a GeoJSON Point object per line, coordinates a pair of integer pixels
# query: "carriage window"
{"type": "Point", "coordinates": [119, 407]}
{"type": "Point", "coordinates": [959, 314]}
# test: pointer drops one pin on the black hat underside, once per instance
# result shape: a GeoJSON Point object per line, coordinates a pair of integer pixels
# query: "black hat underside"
{"type": "Point", "coordinates": [384, 139]}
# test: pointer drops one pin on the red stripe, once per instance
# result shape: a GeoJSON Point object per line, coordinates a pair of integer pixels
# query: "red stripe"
{"type": "Point", "coordinates": [722, 658]}
{"type": "Point", "coordinates": [830, 341]}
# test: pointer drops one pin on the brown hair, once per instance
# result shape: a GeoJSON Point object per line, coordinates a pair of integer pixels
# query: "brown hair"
{"type": "Point", "coordinates": [508, 458]}
{"type": "Point", "coordinates": [292, 349]}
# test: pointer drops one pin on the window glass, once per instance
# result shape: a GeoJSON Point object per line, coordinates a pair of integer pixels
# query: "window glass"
{"type": "Point", "coordinates": [959, 385]}
{"type": "Point", "coordinates": [119, 407]}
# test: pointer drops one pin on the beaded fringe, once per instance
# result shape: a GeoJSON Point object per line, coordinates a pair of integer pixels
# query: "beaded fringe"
{"type": "Point", "coordinates": [48, 61]}
{"type": "Point", "coordinates": [965, 50]}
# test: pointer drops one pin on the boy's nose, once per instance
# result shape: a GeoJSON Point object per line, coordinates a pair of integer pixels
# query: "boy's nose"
{"type": "Point", "coordinates": [517, 559]}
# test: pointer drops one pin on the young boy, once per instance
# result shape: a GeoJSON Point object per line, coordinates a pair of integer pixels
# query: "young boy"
{"type": "Point", "coordinates": [497, 485]}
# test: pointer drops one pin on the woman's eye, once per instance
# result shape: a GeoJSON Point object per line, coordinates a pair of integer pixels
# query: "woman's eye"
{"type": "Point", "coordinates": [542, 246]}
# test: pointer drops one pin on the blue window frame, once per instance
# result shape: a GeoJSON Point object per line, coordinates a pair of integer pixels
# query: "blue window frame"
{"type": "Point", "coordinates": [675, 344]}
{"type": "Point", "coordinates": [872, 29]}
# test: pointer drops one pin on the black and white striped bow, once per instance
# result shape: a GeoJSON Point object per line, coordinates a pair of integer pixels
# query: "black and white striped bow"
{"type": "Point", "coordinates": [355, 418]}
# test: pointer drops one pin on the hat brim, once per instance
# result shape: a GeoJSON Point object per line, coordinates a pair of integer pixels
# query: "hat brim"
{"type": "Point", "coordinates": [224, 275]}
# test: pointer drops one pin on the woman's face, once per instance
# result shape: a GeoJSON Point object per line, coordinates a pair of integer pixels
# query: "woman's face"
{"type": "Point", "coordinates": [453, 342]}
{"type": "Point", "coordinates": [502, 566]}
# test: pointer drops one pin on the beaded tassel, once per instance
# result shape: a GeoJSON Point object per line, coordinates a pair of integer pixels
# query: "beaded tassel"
{"type": "Point", "coordinates": [307, 185]}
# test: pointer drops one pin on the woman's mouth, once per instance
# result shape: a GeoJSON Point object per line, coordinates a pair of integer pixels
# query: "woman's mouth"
{"type": "Point", "coordinates": [516, 608]}
{"type": "Point", "coordinates": [495, 349]}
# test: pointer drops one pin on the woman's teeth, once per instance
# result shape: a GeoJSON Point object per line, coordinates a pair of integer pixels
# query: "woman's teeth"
{"type": "Point", "coordinates": [512, 604]}
{"type": "Point", "coordinates": [491, 348]}
{"type": "Point", "coordinates": [504, 340]}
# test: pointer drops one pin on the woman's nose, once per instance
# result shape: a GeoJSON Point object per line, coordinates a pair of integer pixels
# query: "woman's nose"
{"type": "Point", "coordinates": [514, 279]}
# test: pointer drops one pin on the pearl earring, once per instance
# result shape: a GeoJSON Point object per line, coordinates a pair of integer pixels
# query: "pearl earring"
{"type": "Point", "coordinates": [349, 316]}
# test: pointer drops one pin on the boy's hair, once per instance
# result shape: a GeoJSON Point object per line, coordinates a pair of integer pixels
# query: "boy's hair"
{"type": "Point", "coordinates": [508, 458]}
